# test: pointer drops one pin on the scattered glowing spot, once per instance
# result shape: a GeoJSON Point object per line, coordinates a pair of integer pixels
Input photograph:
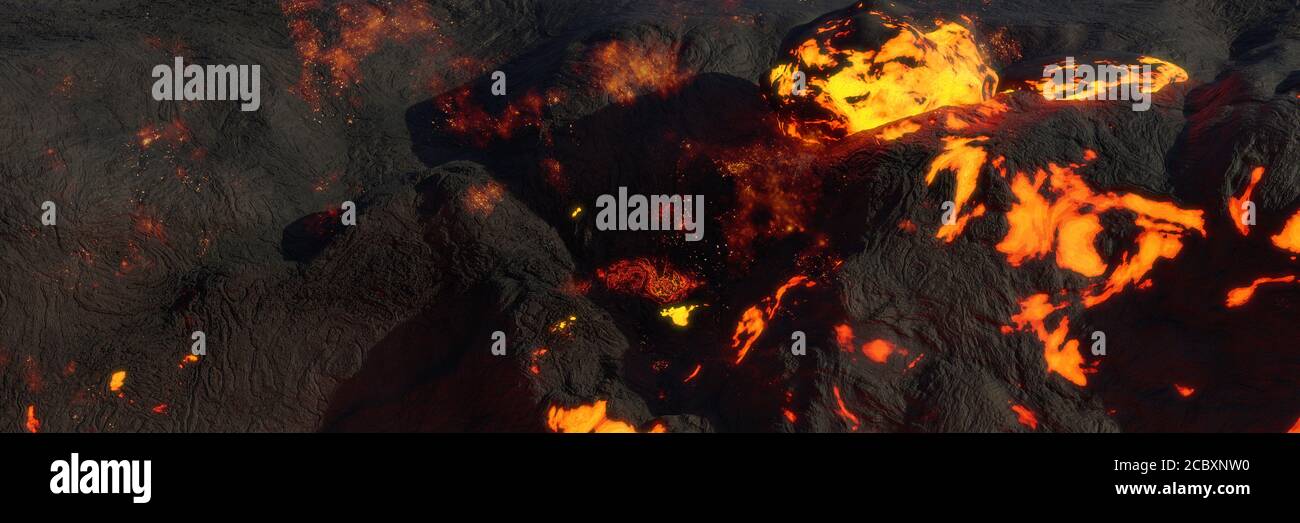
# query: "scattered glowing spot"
{"type": "Point", "coordinates": [533, 360]}
{"type": "Point", "coordinates": [189, 359]}
{"type": "Point", "coordinates": [160, 408]}
{"type": "Point", "coordinates": [564, 325]}
{"type": "Point", "coordinates": [575, 213]}
{"type": "Point", "coordinates": [1184, 391]}
{"type": "Point", "coordinates": [789, 415]}
{"type": "Point", "coordinates": [483, 199]}
{"type": "Point", "coordinates": [694, 373]}
{"type": "Point", "coordinates": [626, 70]}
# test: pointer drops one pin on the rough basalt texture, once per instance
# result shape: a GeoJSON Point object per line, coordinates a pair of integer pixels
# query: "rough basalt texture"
{"type": "Point", "coordinates": [227, 222]}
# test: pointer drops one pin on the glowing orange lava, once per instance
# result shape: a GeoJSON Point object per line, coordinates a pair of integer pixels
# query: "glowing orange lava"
{"type": "Point", "coordinates": [754, 319]}
{"type": "Point", "coordinates": [589, 418]}
{"type": "Point", "coordinates": [852, 90]}
{"type": "Point", "coordinates": [1235, 204]}
{"type": "Point", "coordinates": [1062, 357]}
{"type": "Point", "coordinates": [1242, 295]}
{"type": "Point", "coordinates": [1025, 416]}
{"type": "Point", "coordinates": [1162, 74]}
{"type": "Point", "coordinates": [33, 425]}
{"type": "Point", "coordinates": [844, 409]}
{"type": "Point", "coordinates": [965, 161]}
{"type": "Point", "coordinates": [878, 350]}
{"type": "Point", "coordinates": [1184, 391]}
{"type": "Point", "coordinates": [1070, 222]}
{"type": "Point", "coordinates": [1289, 238]}
{"type": "Point", "coordinates": [116, 381]}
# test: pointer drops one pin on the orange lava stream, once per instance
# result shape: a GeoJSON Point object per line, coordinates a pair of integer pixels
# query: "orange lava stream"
{"type": "Point", "coordinates": [1235, 204]}
{"type": "Point", "coordinates": [1242, 295]}
{"type": "Point", "coordinates": [1062, 356]}
{"type": "Point", "coordinates": [844, 410]}
{"type": "Point", "coordinates": [754, 319]}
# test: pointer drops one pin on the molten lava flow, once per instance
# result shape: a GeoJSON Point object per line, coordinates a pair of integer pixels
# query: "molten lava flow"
{"type": "Point", "coordinates": [965, 161]}
{"type": "Point", "coordinates": [160, 408]}
{"type": "Point", "coordinates": [1025, 416]}
{"type": "Point", "coordinates": [654, 279]}
{"type": "Point", "coordinates": [1289, 238]}
{"type": "Point", "coordinates": [754, 319]}
{"type": "Point", "coordinates": [589, 418]}
{"type": "Point", "coordinates": [1235, 204]}
{"type": "Point", "coordinates": [1184, 391]}
{"type": "Point", "coordinates": [849, 90]}
{"type": "Point", "coordinates": [116, 381]}
{"type": "Point", "coordinates": [482, 199]}
{"type": "Point", "coordinates": [1070, 221]}
{"type": "Point", "coordinates": [626, 70]}
{"type": "Point", "coordinates": [680, 315]}
{"type": "Point", "coordinates": [33, 425]}
{"type": "Point", "coordinates": [189, 359]}
{"type": "Point", "coordinates": [844, 409]}
{"type": "Point", "coordinates": [1295, 429]}
{"type": "Point", "coordinates": [1062, 357]}
{"type": "Point", "coordinates": [1241, 295]}
{"type": "Point", "coordinates": [1162, 74]}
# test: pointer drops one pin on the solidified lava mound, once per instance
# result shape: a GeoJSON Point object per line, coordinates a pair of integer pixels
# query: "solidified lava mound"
{"type": "Point", "coordinates": [920, 240]}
